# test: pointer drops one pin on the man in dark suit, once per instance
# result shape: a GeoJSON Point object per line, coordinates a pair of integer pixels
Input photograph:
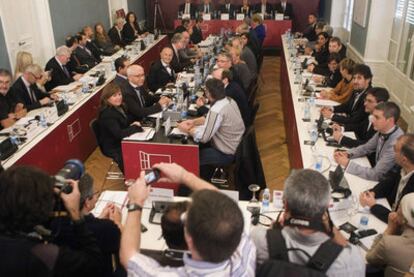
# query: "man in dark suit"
{"type": "Point", "coordinates": [285, 8]}
{"type": "Point", "coordinates": [229, 8]}
{"type": "Point", "coordinates": [354, 108]}
{"type": "Point", "coordinates": [363, 130]}
{"type": "Point", "coordinates": [188, 8]}
{"type": "Point", "coordinates": [121, 66]}
{"type": "Point", "coordinates": [234, 91]}
{"type": "Point", "coordinates": [309, 31]}
{"type": "Point", "coordinates": [264, 8]}
{"type": "Point", "coordinates": [115, 33]}
{"type": "Point", "coordinates": [161, 73]}
{"type": "Point", "coordinates": [90, 44]}
{"type": "Point", "coordinates": [83, 54]}
{"type": "Point", "coordinates": [185, 23]}
{"type": "Point", "coordinates": [177, 43]}
{"type": "Point", "coordinates": [10, 112]}
{"type": "Point", "coordinates": [206, 7]}
{"type": "Point", "coordinates": [74, 66]}
{"type": "Point", "coordinates": [138, 101]}
{"type": "Point", "coordinates": [398, 182]}
{"type": "Point", "coordinates": [60, 73]}
{"type": "Point", "coordinates": [26, 92]}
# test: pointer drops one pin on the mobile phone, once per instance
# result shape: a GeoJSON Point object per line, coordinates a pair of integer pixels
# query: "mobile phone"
{"type": "Point", "coordinates": [151, 175]}
{"type": "Point", "coordinates": [348, 227]}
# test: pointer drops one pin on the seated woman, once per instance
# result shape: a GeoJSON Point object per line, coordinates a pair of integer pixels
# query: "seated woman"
{"type": "Point", "coordinates": [114, 124]}
{"type": "Point", "coordinates": [343, 89]}
{"type": "Point", "coordinates": [131, 30]}
{"type": "Point", "coordinates": [259, 28]}
{"type": "Point", "coordinates": [394, 249]}
{"type": "Point", "coordinates": [103, 41]}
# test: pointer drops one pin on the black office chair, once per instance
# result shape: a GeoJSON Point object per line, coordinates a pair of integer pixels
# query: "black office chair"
{"type": "Point", "coordinates": [252, 96]}
{"type": "Point", "coordinates": [110, 175]}
{"type": "Point", "coordinates": [255, 108]}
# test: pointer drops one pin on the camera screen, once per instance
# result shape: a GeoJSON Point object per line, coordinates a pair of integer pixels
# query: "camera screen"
{"type": "Point", "coordinates": [150, 177]}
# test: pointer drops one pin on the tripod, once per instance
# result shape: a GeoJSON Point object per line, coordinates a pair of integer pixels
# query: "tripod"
{"type": "Point", "coordinates": [157, 10]}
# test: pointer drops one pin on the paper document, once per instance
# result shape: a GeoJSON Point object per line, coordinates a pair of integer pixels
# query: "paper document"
{"type": "Point", "coordinates": [177, 131]}
{"type": "Point", "coordinates": [119, 198]}
{"type": "Point", "coordinates": [324, 102]}
{"type": "Point", "coordinates": [69, 87]}
{"type": "Point", "coordinates": [143, 136]}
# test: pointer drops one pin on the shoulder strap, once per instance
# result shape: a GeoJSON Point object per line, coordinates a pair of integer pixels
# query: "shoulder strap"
{"type": "Point", "coordinates": [276, 245]}
{"type": "Point", "coordinates": [325, 256]}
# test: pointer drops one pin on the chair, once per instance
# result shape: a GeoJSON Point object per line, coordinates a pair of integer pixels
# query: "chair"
{"type": "Point", "coordinates": [255, 108]}
{"type": "Point", "coordinates": [252, 96]}
{"type": "Point", "coordinates": [110, 175]}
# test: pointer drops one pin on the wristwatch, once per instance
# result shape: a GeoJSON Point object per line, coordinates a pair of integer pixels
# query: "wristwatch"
{"type": "Point", "coordinates": [134, 207]}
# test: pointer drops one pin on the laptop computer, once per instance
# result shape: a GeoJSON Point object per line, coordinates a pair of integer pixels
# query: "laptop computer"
{"type": "Point", "coordinates": [338, 183]}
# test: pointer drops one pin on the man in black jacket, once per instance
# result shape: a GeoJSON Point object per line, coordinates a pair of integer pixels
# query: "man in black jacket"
{"type": "Point", "coordinates": [177, 43]}
{"type": "Point", "coordinates": [161, 72]}
{"type": "Point", "coordinates": [188, 8]}
{"type": "Point", "coordinates": [285, 8]}
{"type": "Point", "coordinates": [229, 8]}
{"type": "Point", "coordinates": [26, 92]}
{"type": "Point", "coordinates": [397, 183]}
{"type": "Point", "coordinates": [138, 101]}
{"type": "Point", "coordinates": [264, 8]}
{"type": "Point", "coordinates": [90, 44]}
{"type": "Point", "coordinates": [84, 54]}
{"type": "Point", "coordinates": [22, 238]}
{"type": "Point", "coordinates": [363, 130]}
{"type": "Point", "coordinates": [121, 66]}
{"type": "Point", "coordinates": [353, 110]}
{"type": "Point", "coordinates": [115, 33]}
{"type": "Point", "coordinates": [60, 73]}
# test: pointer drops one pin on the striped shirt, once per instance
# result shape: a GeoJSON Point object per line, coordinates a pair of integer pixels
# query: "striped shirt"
{"type": "Point", "coordinates": [224, 126]}
{"type": "Point", "coordinates": [242, 263]}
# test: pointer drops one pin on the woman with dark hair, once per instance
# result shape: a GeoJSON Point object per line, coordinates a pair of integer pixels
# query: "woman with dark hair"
{"type": "Point", "coordinates": [114, 124]}
{"type": "Point", "coordinates": [103, 41]}
{"type": "Point", "coordinates": [131, 30]}
{"type": "Point", "coordinates": [27, 201]}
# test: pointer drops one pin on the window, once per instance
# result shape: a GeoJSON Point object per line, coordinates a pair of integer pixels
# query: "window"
{"type": "Point", "coordinates": [348, 15]}
{"type": "Point", "coordinates": [401, 50]}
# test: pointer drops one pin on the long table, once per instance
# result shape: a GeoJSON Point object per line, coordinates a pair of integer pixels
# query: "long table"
{"type": "Point", "coordinates": [274, 29]}
{"type": "Point", "coordinates": [302, 155]}
{"type": "Point", "coordinates": [70, 136]}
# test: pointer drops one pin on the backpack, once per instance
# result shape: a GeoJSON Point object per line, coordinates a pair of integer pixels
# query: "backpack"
{"type": "Point", "coordinates": [279, 265]}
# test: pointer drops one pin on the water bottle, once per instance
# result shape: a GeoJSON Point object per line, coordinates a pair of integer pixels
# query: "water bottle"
{"type": "Point", "coordinates": [85, 87]}
{"type": "Point", "coordinates": [205, 71]}
{"type": "Point", "coordinates": [317, 157]}
{"type": "Point", "coordinates": [363, 222]}
{"type": "Point", "coordinates": [42, 120]}
{"type": "Point", "coordinates": [265, 199]}
{"type": "Point", "coordinates": [306, 111]}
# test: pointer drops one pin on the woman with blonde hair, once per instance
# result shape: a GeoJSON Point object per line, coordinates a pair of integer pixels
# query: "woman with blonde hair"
{"type": "Point", "coordinates": [23, 59]}
{"type": "Point", "coordinates": [103, 41]}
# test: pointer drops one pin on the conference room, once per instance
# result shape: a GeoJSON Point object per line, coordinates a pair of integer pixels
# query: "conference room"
{"type": "Point", "coordinates": [206, 138]}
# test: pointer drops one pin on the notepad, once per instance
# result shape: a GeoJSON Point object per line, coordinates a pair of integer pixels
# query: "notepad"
{"type": "Point", "coordinates": [142, 136]}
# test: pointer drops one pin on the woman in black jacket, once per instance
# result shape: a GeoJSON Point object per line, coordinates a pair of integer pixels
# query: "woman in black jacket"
{"type": "Point", "coordinates": [114, 124]}
{"type": "Point", "coordinates": [131, 29]}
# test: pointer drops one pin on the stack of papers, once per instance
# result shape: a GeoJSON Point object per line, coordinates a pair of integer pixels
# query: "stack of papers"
{"type": "Point", "coordinates": [143, 136]}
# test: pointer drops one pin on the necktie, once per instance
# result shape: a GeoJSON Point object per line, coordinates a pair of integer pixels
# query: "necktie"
{"type": "Point", "coordinates": [357, 96]}
{"type": "Point", "coordinates": [228, 7]}
{"type": "Point", "coordinates": [187, 8]}
{"type": "Point", "coordinates": [206, 8]}
{"type": "Point", "coordinates": [32, 95]}
{"type": "Point", "coordinates": [141, 100]}
{"type": "Point", "coordinates": [66, 70]}
{"type": "Point", "coordinates": [88, 51]}
{"type": "Point", "coordinates": [381, 142]}
{"type": "Point", "coordinates": [284, 6]}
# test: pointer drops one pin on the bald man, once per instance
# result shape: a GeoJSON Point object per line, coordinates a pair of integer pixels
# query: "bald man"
{"type": "Point", "coordinates": [161, 73]}
{"type": "Point", "coordinates": [138, 101]}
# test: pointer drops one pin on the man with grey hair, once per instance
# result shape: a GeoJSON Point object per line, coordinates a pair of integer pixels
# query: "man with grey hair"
{"type": "Point", "coordinates": [59, 72]}
{"type": "Point", "coordinates": [25, 90]}
{"type": "Point", "coordinates": [115, 33]}
{"type": "Point", "coordinates": [177, 43]}
{"type": "Point", "coordinates": [306, 198]}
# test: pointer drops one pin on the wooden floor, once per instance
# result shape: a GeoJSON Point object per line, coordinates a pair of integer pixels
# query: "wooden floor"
{"type": "Point", "coordinates": [270, 132]}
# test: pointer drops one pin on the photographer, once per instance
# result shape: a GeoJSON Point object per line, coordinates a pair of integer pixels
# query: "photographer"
{"type": "Point", "coordinates": [213, 231]}
{"type": "Point", "coordinates": [27, 199]}
{"type": "Point", "coordinates": [306, 198]}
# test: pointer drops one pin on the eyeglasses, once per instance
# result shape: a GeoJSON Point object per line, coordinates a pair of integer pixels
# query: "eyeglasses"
{"type": "Point", "coordinates": [36, 77]}
{"type": "Point", "coordinates": [138, 75]}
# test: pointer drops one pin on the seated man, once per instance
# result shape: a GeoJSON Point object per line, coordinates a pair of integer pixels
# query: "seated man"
{"type": "Point", "coordinates": [185, 23]}
{"type": "Point", "coordinates": [334, 46]}
{"type": "Point", "coordinates": [205, 8]}
{"type": "Point", "coordinates": [384, 120]}
{"type": "Point", "coordinates": [161, 73]}
{"type": "Point", "coordinates": [246, 54]}
{"type": "Point", "coordinates": [333, 76]}
{"type": "Point", "coordinates": [223, 127]}
{"type": "Point", "coordinates": [394, 249]}
{"type": "Point", "coordinates": [10, 112]}
{"type": "Point", "coordinates": [177, 43]}
{"type": "Point", "coordinates": [363, 130]}
{"type": "Point", "coordinates": [397, 181]}
{"type": "Point", "coordinates": [83, 53]}
{"type": "Point", "coordinates": [228, 8]}
{"type": "Point", "coordinates": [352, 111]}
{"type": "Point", "coordinates": [309, 32]}
{"type": "Point", "coordinates": [343, 89]}
{"type": "Point", "coordinates": [121, 66]}
{"type": "Point", "coordinates": [188, 8]}
{"type": "Point", "coordinates": [26, 92]}
{"type": "Point", "coordinates": [284, 7]}
{"type": "Point", "coordinates": [224, 61]}
{"type": "Point", "coordinates": [264, 8]}
{"type": "Point", "coordinates": [306, 198]}
{"type": "Point", "coordinates": [213, 231]}
{"type": "Point", "coordinates": [188, 55]}
{"type": "Point", "coordinates": [90, 44]}
{"type": "Point", "coordinates": [73, 65]}
{"type": "Point", "coordinates": [138, 101]}
{"type": "Point", "coordinates": [60, 73]}
{"type": "Point", "coordinates": [115, 33]}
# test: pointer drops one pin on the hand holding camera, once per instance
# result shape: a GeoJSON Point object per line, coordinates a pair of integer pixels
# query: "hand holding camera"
{"type": "Point", "coordinates": [138, 192]}
{"type": "Point", "coordinates": [71, 200]}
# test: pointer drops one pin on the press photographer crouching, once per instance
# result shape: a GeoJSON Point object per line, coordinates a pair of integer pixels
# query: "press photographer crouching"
{"type": "Point", "coordinates": [304, 227]}
{"type": "Point", "coordinates": [27, 200]}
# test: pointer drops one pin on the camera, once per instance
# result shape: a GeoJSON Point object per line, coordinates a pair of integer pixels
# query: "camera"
{"type": "Point", "coordinates": [151, 175]}
{"type": "Point", "coordinates": [72, 170]}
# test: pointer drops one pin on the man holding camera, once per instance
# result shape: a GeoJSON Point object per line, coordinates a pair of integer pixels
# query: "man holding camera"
{"type": "Point", "coordinates": [27, 200]}
{"type": "Point", "coordinates": [213, 231]}
{"type": "Point", "coordinates": [306, 199]}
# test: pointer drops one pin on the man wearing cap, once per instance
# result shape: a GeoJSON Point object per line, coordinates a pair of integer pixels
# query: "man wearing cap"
{"type": "Point", "coordinates": [394, 249]}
